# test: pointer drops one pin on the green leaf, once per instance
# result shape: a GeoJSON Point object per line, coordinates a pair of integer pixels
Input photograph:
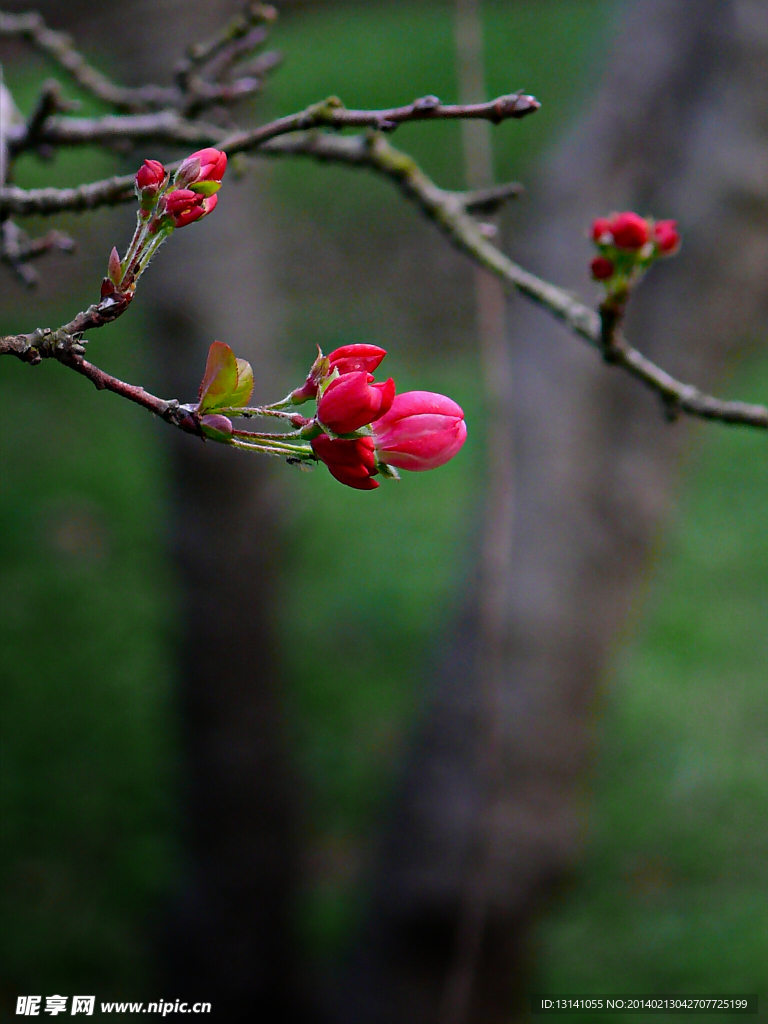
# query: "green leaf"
{"type": "Point", "coordinates": [219, 382]}
{"type": "Point", "coordinates": [205, 188]}
{"type": "Point", "coordinates": [244, 390]}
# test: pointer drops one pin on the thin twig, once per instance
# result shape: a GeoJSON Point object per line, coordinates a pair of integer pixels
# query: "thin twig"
{"type": "Point", "coordinates": [170, 127]}
{"type": "Point", "coordinates": [44, 202]}
{"type": "Point", "coordinates": [225, 47]}
{"type": "Point", "coordinates": [65, 347]}
{"type": "Point", "coordinates": [17, 248]}
{"type": "Point", "coordinates": [489, 200]}
{"type": "Point", "coordinates": [165, 126]}
{"type": "Point", "coordinates": [58, 45]}
{"type": "Point", "coordinates": [193, 92]}
{"type": "Point", "coordinates": [448, 211]}
{"type": "Point", "coordinates": [295, 135]}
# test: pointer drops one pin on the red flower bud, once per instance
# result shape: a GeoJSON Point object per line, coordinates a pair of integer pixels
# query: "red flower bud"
{"type": "Point", "coordinates": [350, 462]}
{"type": "Point", "coordinates": [629, 230]}
{"type": "Point", "coordinates": [186, 207]}
{"type": "Point", "coordinates": [346, 359]}
{"type": "Point", "coordinates": [349, 358]}
{"type": "Point", "coordinates": [601, 227]}
{"type": "Point", "coordinates": [207, 206]}
{"type": "Point", "coordinates": [352, 401]}
{"type": "Point", "coordinates": [666, 237]}
{"type": "Point", "coordinates": [601, 268]}
{"type": "Point", "coordinates": [150, 176]}
{"type": "Point", "coordinates": [204, 165]}
{"type": "Point", "coordinates": [421, 431]}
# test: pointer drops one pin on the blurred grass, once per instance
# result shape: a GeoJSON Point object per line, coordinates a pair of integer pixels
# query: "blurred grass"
{"type": "Point", "coordinates": [388, 573]}
{"type": "Point", "coordinates": [87, 743]}
{"type": "Point", "coordinates": [85, 754]}
{"type": "Point", "coordinates": [672, 894]}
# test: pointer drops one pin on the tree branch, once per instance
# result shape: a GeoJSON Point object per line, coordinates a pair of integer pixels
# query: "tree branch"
{"type": "Point", "coordinates": [165, 126]}
{"type": "Point", "coordinates": [193, 92]}
{"type": "Point", "coordinates": [448, 210]}
{"type": "Point", "coordinates": [169, 127]}
{"type": "Point", "coordinates": [293, 135]}
{"type": "Point", "coordinates": [64, 345]}
{"type": "Point", "coordinates": [244, 33]}
{"type": "Point", "coordinates": [58, 45]}
{"type": "Point", "coordinates": [17, 248]}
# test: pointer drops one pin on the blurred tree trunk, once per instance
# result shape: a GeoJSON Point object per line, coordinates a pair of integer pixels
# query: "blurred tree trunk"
{"type": "Point", "coordinates": [229, 941]}
{"type": "Point", "coordinates": [678, 129]}
{"type": "Point", "coordinates": [228, 937]}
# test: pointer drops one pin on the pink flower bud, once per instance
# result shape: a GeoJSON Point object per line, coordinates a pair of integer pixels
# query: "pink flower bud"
{"type": "Point", "coordinates": [666, 237]}
{"type": "Point", "coordinates": [204, 165]}
{"type": "Point", "coordinates": [150, 176]}
{"type": "Point", "coordinates": [352, 401]}
{"type": "Point", "coordinates": [601, 230]}
{"type": "Point", "coordinates": [346, 359]}
{"type": "Point", "coordinates": [349, 358]}
{"type": "Point", "coordinates": [629, 230]}
{"type": "Point", "coordinates": [350, 462]}
{"type": "Point", "coordinates": [601, 268]}
{"type": "Point", "coordinates": [185, 207]}
{"type": "Point", "coordinates": [207, 206]}
{"type": "Point", "coordinates": [421, 431]}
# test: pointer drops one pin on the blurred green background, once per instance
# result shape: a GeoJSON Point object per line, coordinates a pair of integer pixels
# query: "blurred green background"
{"type": "Point", "coordinates": [673, 892]}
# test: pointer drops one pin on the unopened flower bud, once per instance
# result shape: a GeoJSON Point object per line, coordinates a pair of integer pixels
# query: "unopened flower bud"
{"type": "Point", "coordinates": [351, 462]}
{"type": "Point", "coordinates": [352, 401]}
{"type": "Point", "coordinates": [216, 427]}
{"type": "Point", "coordinates": [345, 359]}
{"type": "Point", "coordinates": [666, 237]}
{"type": "Point", "coordinates": [185, 206]}
{"type": "Point", "coordinates": [629, 230]}
{"type": "Point", "coordinates": [601, 231]}
{"type": "Point", "coordinates": [421, 431]}
{"type": "Point", "coordinates": [602, 268]}
{"type": "Point", "coordinates": [150, 177]}
{"type": "Point", "coordinates": [351, 358]}
{"type": "Point", "coordinates": [114, 269]}
{"type": "Point", "coordinates": [319, 370]}
{"type": "Point", "coordinates": [204, 165]}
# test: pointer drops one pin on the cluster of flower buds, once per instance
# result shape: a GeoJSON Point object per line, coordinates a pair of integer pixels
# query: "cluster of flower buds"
{"type": "Point", "coordinates": [195, 185]}
{"type": "Point", "coordinates": [164, 205]}
{"type": "Point", "coordinates": [628, 244]}
{"type": "Point", "coordinates": [416, 430]}
{"type": "Point", "coordinates": [419, 431]}
{"type": "Point", "coordinates": [361, 429]}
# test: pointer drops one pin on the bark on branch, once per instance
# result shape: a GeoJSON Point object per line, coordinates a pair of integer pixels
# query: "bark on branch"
{"type": "Point", "coordinates": [449, 211]}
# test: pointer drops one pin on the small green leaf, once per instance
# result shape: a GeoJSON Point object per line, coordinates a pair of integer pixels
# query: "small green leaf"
{"type": "Point", "coordinates": [244, 390]}
{"type": "Point", "coordinates": [219, 381]}
{"type": "Point", "coordinates": [205, 188]}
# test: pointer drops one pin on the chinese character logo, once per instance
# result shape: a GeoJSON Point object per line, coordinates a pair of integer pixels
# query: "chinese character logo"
{"type": "Point", "coordinates": [83, 1004]}
{"type": "Point", "coordinates": [29, 1006]}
